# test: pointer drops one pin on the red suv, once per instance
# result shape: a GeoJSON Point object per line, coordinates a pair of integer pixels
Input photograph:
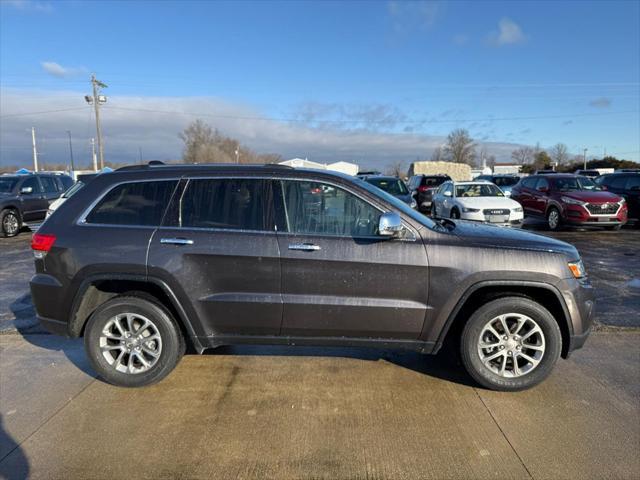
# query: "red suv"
{"type": "Point", "coordinates": [570, 199]}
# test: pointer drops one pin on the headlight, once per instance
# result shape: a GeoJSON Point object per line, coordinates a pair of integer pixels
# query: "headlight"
{"type": "Point", "coordinates": [622, 201]}
{"type": "Point", "coordinates": [572, 201]}
{"type": "Point", "coordinates": [518, 209]}
{"type": "Point", "coordinates": [577, 268]}
{"type": "Point", "coordinates": [470, 210]}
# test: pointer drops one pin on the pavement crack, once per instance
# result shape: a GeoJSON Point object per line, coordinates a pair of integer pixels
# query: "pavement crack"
{"type": "Point", "coordinates": [503, 434]}
{"type": "Point", "coordinates": [62, 407]}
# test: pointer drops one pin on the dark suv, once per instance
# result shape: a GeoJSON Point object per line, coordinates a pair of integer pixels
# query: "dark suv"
{"type": "Point", "coordinates": [423, 187]}
{"type": "Point", "coordinates": [147, 258]}
{"type": "Point", "coordinates": [26, 198]}
{"type": "Point", "coordinates": [626, 185]}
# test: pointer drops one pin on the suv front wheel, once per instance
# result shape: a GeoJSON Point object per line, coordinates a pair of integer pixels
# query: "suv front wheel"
{"type": "Point", "coordinates": [9, 223]}
{"type": "Point", "coordinates": [510, 344]}
{"type": "Point", "coordinates": [132, 341]}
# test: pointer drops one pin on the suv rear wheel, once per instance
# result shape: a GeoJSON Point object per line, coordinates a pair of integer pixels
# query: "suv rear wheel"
{"type": "Point", "coordinates": [9, 223]}
{"type": "Point", "coordinates": [510, 344]}
{"type": "Point", "coordinates": [132, 341]}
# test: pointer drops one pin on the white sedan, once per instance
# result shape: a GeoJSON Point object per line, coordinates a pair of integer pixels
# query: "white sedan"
{"type": "Point", "coordinates": [480, 201]}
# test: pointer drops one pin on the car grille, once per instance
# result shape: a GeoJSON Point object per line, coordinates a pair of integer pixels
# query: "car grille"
{"type": "Point", "coordinates": [602, 208]}
{"type": "Point", "coordinates": [496, 211]}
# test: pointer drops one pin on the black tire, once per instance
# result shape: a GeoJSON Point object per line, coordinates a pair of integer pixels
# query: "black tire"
{"type": "Point", "coordinates": [552, 224]}
{"type": "Point", "coordinates": [455, 214]}
{"type": "Point", "coordinates": [9, 223]}
{"type": "Point", "coordinates": [172, 341]}
{"type": "Point", "coordinates": [614, 228]}
{"type": "Point", "coordinates": [469, 347]}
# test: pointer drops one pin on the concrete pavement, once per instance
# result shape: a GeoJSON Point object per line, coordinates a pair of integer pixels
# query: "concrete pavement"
{"type": "Point", "coordinates": [293, 412]}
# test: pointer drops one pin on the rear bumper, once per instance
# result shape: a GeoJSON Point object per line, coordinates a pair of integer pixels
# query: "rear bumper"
{"type": "Point", "coordinates": [47, 296]}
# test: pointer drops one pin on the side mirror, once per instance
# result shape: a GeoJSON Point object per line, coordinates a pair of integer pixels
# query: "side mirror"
{"type": "Point", "coordinates": [390, 224]}
{"type": "Point", "coordinates": [507, 193]}
{"type": "Point", "coordinates": [447, 193]}
{"type": "Point", "coordinates": [604, 187]}
{"type": "Point", "coordinates": [26, 190]}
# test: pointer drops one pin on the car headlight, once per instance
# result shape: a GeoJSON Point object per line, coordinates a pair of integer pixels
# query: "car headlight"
{"type": "Point", "coordinates": [470, 210]}
{"type": "Point", "coordinates": [622, 201]}
{"type": "Point", "coordinates": [572, 201]}
{"type": "Point", "coordinates": [518, 209]}
{"type": "Point", "coordinates": [577, 269]}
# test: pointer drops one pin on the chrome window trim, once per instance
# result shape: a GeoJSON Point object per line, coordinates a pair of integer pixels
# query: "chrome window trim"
{"type": "Point", "coordinates": [83, 216]}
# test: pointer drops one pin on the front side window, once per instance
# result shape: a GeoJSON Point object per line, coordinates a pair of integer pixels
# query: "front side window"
{"type": "Point", "coordinates": [529, 182]}
{"type": "Point", "coordinates": [141, 204]}
{"type": "Point", "coordinates": [33, 184]}
{"type": "Point", "coordinates": [542, 183]}
{"type": "Point", "coordinates": [225, 203]}
{"type": "Point", "coordinates": [316, 208]}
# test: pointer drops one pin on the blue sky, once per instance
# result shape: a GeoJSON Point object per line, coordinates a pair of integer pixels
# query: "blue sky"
{"type": "Point", "coordinates": [364, 81]}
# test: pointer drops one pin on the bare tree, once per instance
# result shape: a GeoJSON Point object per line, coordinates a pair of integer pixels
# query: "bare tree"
{"type": "Point", "coordinates": [397, 169]}
{"type": "Point", "coordinates": [438, 154]}
{"type": "Point", "coordinates": [559, 153]}
{"type": "Point", "coordinates": [460, 147]}
{"type": "Point", "coordinates": [523, 155]}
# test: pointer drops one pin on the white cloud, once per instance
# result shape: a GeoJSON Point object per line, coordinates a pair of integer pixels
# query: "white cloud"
{"type": "Point", "coordinates": [28, 5]}
{"type": "Point", "coordinates": [602, 102]}
{"type": "Point", "coordinates": [57, 70]}
{"type": "Point", "coordinates": [131, 123]}
{"type": "Point", "coordinates": [406, 16]}
{"type": "Point", "coordinates": [509, 33]}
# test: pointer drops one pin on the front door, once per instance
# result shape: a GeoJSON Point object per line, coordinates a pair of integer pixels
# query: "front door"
{"type": "Point", "coordinates": [217, 250]}
{"type": "Point", "coordinates": [339, 278]}
{"type": "Point", "coordinates": [33, 202]}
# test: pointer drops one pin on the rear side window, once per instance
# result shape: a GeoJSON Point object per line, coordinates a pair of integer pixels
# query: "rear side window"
{"type": "Point", "coordinates": [434, 181]}
{"type": "Point", "coordinates": [226, 203]}
{"type": "Point", "coordinates": [49, 185]}
{"type": "Point", "coordinates": [633, 182]}
{"type": "Point", "coordinates": [141, 203]}
{"type": "Point", "coordinates": [617, 182]}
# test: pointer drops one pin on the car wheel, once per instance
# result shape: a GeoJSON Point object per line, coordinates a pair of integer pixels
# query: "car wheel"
{"type": "Point", "coordinates": [132, 341]}
{"type": "Point", "coordinates": [455, 214]}
{"type": "Point", "coordinates": [614, 227]}
{"type": "Point", "coordinates": [9, 223]}
{"type": "Point", "coordinates": [510, 344]}
{"type": "Point", "coordinates": [554, 221]}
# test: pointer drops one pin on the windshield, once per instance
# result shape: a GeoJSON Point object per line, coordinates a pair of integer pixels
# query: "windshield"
{"type": "Point", "coordinates": [575, 183]}
{"type": "Point", "coordinates": [478, 190]}
{"type": "Point", "coordinates": [398, 205]}
{"type": "Point", "coordinates": [7, 184]}
{"type": "Point", "coordinates": [505, 181]}
{"type": "Point", "coordinates": [394, 186]}
{"type": "Point", "coordinates": [76, 187]}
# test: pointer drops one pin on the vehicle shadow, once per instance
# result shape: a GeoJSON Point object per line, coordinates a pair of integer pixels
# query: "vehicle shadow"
{"type": "Point", "coordinates": [445, 365]}
{"type": "Point", "coordinates": [14, 463]}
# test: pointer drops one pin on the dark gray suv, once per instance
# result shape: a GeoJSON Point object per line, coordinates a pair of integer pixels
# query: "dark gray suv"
{"type": "Point", "coordinates": [143, 260]}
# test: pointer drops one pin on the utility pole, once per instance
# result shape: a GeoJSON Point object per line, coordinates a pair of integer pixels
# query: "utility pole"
{"type": "Point", "coordinates": [93, 155]}
{"type": "Point", "coordinates": [73, 168]}
{"type": "Point", "coordinates": [97, 100]}
{"type": "Point", "coordinates": [35, 151]}
{"type": "Point", "coordinates": [237, 154]}
{"type": "Point", "coordinates": [584, 157]}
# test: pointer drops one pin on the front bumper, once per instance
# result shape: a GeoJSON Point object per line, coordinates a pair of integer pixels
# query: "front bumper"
{"type": "Point", "coordinates": [579, 297]}
{"type": "Point", "coordinates": [514, 220]}
{"type": "Point", "coordinates": [579, 215]}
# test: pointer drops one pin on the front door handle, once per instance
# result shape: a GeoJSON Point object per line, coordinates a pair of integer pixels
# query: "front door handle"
{"type": "Point", "coordinates": [306, 247]}
{"type": "Point", "coordinates": [176, 241]}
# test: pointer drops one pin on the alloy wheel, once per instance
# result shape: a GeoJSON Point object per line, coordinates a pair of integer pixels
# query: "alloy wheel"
{"type": "Point", "coordinates": [10, 224]}
{"type": "Point", "coordinates": [130, 343]}
{"type": "Point", "coordinates": [554, 219]}
{"type": "Point", "coordinates": [511, 345]}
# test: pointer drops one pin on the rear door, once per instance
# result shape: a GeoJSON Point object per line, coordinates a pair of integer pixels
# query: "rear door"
{"type": "Point", "coordinates": [50, 189]}
{"type": "Point", "coordinates": [632, 195]}
{"type": "Point", "coordinates": [217, 249]}
{"type": "Point", "coordinates": [339, 278]}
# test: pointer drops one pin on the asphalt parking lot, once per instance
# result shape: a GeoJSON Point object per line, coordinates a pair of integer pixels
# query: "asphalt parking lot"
{"type": "Point", "coordinates": [293, 412]}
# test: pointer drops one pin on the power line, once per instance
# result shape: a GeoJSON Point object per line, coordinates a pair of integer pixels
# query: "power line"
{"type": "Point", "coordinates": [422, 121]}
{"type": "Point", "coordinates": [42, 112]}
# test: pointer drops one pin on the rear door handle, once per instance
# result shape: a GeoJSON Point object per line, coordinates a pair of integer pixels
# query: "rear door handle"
{"type": "Point", "coordinates": [176, 241]}
{"type": "Point", "coordinates": [306, 247]}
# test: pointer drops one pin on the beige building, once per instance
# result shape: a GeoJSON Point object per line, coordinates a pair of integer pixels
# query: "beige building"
{"type": "Point", "coordinates": [457, 171]}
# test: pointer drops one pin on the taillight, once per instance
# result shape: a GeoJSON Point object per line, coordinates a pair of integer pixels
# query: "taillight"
{"type": "Point", "coordinates": [41, 243]}
{"type": "Point", "coordinates": [423, 188]}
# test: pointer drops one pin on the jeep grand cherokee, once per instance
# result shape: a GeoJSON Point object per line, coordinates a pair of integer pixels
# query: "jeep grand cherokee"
{"type": "Point", "coordinates": [150, 257]}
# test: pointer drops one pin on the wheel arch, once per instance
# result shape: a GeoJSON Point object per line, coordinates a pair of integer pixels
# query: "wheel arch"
{"type": "Point", "coordinates": [97, 289]}
{"type": "Point", "coordinates": [480, 293]}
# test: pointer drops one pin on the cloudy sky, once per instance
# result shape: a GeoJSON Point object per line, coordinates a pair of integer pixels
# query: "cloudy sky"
{"type": "Point", "coordinates": [366, 82]}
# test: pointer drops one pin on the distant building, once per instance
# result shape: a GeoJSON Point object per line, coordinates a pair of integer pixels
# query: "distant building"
{"type": "Point", "coordinates": [457, 171]}
{"type": "Point", "coordinates": [344, 167]}
{"type": "Point", "coordinates": [507, 168]}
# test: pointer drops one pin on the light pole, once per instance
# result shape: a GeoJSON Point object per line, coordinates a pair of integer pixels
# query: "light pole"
{"type": "Point", "coordinates": [73, 168]}
{"type": "Point", "coordinates": [96, 100]}
{"type": "Point", "coordinates": [584, 158]}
